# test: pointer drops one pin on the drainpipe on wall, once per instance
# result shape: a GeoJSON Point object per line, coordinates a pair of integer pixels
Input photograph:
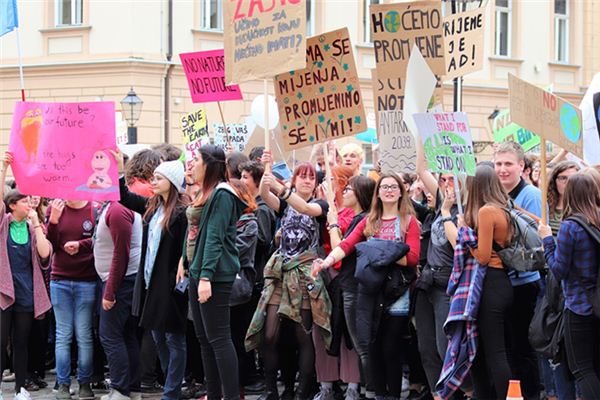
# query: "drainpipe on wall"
{"type": "Point", "coordinates": [169, 72]}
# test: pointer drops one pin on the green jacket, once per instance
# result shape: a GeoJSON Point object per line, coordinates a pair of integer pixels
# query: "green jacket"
{"type": "Point", "coordinates": [216, 255]}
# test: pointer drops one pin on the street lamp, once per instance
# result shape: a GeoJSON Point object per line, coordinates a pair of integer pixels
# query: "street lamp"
{"type": "Point", "coordinates": [131, 107]}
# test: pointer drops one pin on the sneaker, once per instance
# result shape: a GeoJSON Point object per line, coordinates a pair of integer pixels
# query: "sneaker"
{"type": "Point", "coordinates": [63, 392]}
{"type": "Point", "coordinates": [100, 386]}
{"type": "Point", "coordinates": [153, 387]}
{"type": "Point", "coordinates": [324, 394]}
{"type": "Point", "coordinates": [8, 376]}
{"type": "Point", "coordinates": [135, 395]}
{"type": "Point", "coordinates": [85, 392]}
{"type": "Point", "coordinates": [42, 384]}
{"type": "Point", "coordinates": [114, 394]}
{"type": "Point", "coordinates": [351, 394]}
{"type": "Point", "coordinates": [30, 385]}
{"type": "Point", "coordinates": [255, 388]}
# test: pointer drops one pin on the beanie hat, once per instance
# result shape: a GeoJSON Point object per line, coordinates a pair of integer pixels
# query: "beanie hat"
{"type": "Point", "coordinates": [173, 171]}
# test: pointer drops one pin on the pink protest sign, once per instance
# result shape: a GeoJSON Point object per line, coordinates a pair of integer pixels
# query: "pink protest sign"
{"type": "Point", "coordinates": [205, 72]}
{"type": "Point", "coordinates": [61, 150]}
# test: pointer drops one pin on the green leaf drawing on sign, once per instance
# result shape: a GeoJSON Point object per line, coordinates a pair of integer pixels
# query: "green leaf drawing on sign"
{"type": "Point", "coordinates": [448, 152]}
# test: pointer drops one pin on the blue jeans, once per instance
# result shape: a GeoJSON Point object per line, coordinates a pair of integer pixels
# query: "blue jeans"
{"type": "Point", "coordinates": [73, 304]}
{"type": "Point", "coordinates": [118, 337]}
{"type": "Point", "coordinates": [171, 348]}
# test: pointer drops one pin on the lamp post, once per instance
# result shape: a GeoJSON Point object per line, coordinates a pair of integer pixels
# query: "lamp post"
{"type": "Point", "coordinates": [131, 106]}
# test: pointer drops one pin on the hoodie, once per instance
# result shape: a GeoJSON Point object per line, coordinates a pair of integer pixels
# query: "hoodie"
{"type": "Point", "coordinates": [216, 255]}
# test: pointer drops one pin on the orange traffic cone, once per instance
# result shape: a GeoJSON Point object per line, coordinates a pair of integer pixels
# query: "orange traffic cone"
{"type": "Point", "coordinates": [514, 390]}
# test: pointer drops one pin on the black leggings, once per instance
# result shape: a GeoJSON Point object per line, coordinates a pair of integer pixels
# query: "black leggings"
{"type": "Point", "coordinates": [491, 362]}
{"type": "Point", "coordinates": [306, 356]}
{"type": "Point", "coordinates": [582, 340]}
{"type": "Point", "coordinates": [387, 354]}
{"type": "Point", "coordinates": [17, 326]}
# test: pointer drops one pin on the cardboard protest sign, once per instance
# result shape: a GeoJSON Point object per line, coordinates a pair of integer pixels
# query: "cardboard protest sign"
{"type": "Point", "coordinates": [263, 38]}
{"type": "Point", "coordinates": [505, 130]}
{"type": "Point", "coordinates": [205, 73]}
{"type": "Point", "coordinates": [322, 101]}
{"type": "Point", "coordinates": [238, 136]}
{"type": "Point", "coordinates": [395, 29]}
{"type": "Point", "coordinates": [396, 143]}
{"type": "Point", "coordinates": [463, 38]}
{"type": "Point", "coordinates": [194, 128]}
{"type": "Point", "coordinates": [447, 142]}
{"type": "Point", "coordinates": [61, 150]}
{"type": "Point", "coordinates": [546, 114]}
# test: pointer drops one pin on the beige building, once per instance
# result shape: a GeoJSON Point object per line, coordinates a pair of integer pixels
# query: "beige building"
{"type": "Point", "coordinates": [89, 50]}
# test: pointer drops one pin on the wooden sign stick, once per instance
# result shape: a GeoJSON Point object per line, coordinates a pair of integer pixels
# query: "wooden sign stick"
{"type": "Point", "coordinates": [224, 124]}
{"type": "Point", "coordinates": [267, 134]}
{"type": "Point", "coordinates": [543, 180]}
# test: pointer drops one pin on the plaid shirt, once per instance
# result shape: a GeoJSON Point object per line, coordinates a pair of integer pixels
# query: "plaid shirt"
{"type": "Point", "coordinates": [574, 261]}
{"type": "Point", "coordinates": [464, 289]}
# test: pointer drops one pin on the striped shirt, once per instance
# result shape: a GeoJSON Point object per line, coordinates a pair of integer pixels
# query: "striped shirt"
{"type": "Point", "coordinates": [573, 260]}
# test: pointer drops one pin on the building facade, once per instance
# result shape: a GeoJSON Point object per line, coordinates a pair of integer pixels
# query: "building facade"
{"type": "Point", "coordinates": [90, 50]}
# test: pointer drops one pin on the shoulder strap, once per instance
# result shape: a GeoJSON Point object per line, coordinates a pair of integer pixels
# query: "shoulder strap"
{"type": "Point", "coordinates": [590, 229]}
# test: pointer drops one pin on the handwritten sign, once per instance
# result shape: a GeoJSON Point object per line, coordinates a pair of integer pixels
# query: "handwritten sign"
{"type": "Point", "coordinates": [205, 73]}
{"type": "Point", "coordinates": [322, 101]}
{"type": "Point", "coordinates": [61, 150]}
{"type": "Point", "coordinates": [263, 38]}
{"type": "Point", "coordinates": [238, 136]}
{"type": "Point", "coordinates": [395, 29]}
{"type": "Point", "coordinates": [463, 37]}
{"type": "Point", "coordinates": [447, 142]}
{"type": "Point", "coordinates": [546, 115]}
{"type": "Point", "coordinates": [396, 143]}
{"type": "Point", "coordinates": [195, 134]}
{"type": "Point", "coordinates": [505, 130]}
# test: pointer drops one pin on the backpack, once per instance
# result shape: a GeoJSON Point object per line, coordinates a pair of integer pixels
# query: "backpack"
{"type": "Point", "coordinates": [525, 252]}
{"type": "Point", "coordinates": [594, 232]}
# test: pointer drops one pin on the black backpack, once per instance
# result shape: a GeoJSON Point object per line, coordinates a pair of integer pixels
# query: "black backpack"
{"type": "Point", "coordinates": [594, 232]}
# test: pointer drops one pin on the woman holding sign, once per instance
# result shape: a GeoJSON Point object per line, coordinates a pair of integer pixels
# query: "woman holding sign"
{"type": "Point", "coordinates": [391, 219]}
{"type": "Point", "coordinates": [289, 289]}
{"type": "Point", "coordinates": [213, 259]}
{"type": "Point", "coordinates": [24, 253]}
{"type": "Point", "coordinates": [432, 302]}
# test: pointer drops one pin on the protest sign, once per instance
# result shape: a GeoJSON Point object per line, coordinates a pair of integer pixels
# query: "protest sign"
{"type": "Point", "coordinates": [322, 101]}
{"type": "Point", "coordinates": [121, 128]}
{"type": "Point", "coordinates": [463, 38]}
{"type": "Point", "coordinates": [546, 115]}
{"type": "Point", "coordinates": [396, 143]}
{"type": "Point", "coordinates": [505, 130]}
{"type": "Point", "coordinates": [61, 150]}
{"type": "Point", "coordinates": [395, 29]}
{"type": "Point", "coordinates": [238, 136]}
{"type": "Point", "coordinates": [590, 109]}
{"type": "Point", "coordinates": [195, 134]}
{"type": "Point", "coordinates": [447, 142]}
{"type": "Point", "coordinates": [263, 38]}
{"type": "Point", "coordinates": [419, 88]}
{"type": "Point", "coordinates": [205, 73]}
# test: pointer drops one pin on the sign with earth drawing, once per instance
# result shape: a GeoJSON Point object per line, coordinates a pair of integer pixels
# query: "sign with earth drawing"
{"type": "Point", "coordinates": [322, 101]}
{"type": "Point", "coordinates": [447, 142]}
{"type": "Point", "coordinates": [546, 115]}
{"type": "Point", "coordinates": [395, 29]}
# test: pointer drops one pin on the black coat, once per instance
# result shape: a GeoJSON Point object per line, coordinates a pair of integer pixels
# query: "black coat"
{"type": "Point", "coordinates": [159, 307]}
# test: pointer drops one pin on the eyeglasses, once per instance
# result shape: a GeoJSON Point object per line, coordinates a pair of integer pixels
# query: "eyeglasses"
{"type": "Point", "coordinates": [389, 188]}
{"type": "Point", "coordinates": [562, 178]}
{"type": "Point", "coordinates": [347, 189]}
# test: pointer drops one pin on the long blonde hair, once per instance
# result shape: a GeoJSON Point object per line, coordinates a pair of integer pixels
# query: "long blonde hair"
{"type": "Point", "coordinates": [405, 207]}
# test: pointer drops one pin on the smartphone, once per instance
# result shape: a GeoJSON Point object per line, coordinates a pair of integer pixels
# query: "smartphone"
{"type": "Point", "coordinates": [182, 286]}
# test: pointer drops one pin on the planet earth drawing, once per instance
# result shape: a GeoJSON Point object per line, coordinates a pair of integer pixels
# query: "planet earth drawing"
{"type": "Point", "coordinates": [570, 123]}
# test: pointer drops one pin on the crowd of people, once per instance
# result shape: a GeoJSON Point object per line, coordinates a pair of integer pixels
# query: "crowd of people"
{"type": "Point", "coordinates": [226, 280]}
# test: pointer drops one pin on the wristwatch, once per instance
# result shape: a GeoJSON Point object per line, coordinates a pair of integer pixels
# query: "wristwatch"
{"type": "Point", "coordinates": [443, 220]}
